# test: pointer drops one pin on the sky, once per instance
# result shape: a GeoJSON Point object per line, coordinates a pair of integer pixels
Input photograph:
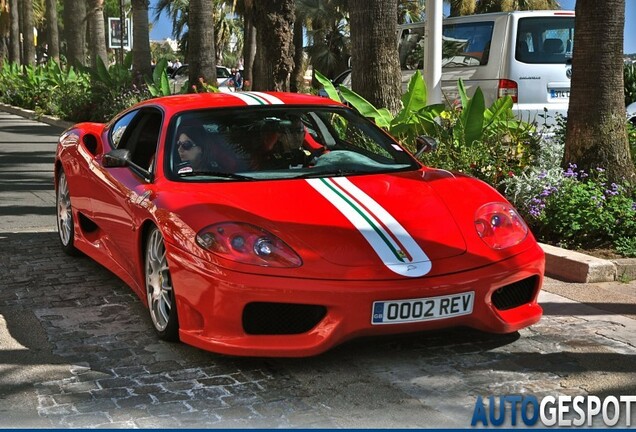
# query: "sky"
{"type": "Point", "coordinates": [162, 29]}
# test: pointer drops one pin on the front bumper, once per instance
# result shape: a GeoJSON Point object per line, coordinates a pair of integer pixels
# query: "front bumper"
{"type": "Point", "coordinates": [211, 304]}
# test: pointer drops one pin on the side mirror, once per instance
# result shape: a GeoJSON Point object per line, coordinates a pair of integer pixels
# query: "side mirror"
{"type": "Point", "coordinates": [116, 158]}
{"type": "Point", "coordinates": [424, 144]}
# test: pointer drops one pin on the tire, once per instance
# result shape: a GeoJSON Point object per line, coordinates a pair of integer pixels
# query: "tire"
{"type": "Point", "coordinates": [159, 291]}
{"type": "Point", "coordinates": [65, 221]}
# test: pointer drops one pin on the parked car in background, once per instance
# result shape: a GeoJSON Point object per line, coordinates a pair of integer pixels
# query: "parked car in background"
{"type": "Point", "coordinates": [180, 76]}
{"type": "Point", "coordinates": [283, 224]}
{"type": "Point", "coordinates": [525, 55]}
{"type": "Point", "coordinates": [631, 113]}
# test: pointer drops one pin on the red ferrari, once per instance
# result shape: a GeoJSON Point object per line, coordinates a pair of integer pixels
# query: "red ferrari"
{"type": "Point", "coordinates": [275, 224]}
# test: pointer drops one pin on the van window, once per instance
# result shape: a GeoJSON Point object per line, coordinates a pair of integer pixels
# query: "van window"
{"type": "Point", "coordinates": [466, 44]}
{"type": "Point", "coordinates": [544, 40]}
{"type": "Point", "coordinates": [462, 45]}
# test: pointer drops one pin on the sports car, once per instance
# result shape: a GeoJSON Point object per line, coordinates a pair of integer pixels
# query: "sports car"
{"type": "Point", "coordinates": [280, 224]}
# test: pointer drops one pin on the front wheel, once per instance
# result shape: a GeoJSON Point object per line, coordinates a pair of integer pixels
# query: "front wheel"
{"type": "Point", "coordinates": [65, 223]}
{"type": "Point", "coordinates": [159, 291]}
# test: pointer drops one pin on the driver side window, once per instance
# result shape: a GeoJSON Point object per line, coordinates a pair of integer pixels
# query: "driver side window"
{"type": "Point", "coordinates": [138, 132]}
{"type": "Point", "coordinates": [119, 128]}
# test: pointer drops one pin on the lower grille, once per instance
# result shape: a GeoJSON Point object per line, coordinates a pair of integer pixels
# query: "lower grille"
{"type": "Point", "coordinates": [515, 294]}
{"type": "Point", "coordinates": [281, 318]}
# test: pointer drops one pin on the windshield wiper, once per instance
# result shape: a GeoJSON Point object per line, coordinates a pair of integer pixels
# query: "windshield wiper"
{"type": "Point", "coordinates": [216, 174]}
{"type": "Point", "coordinates": [332, 173]}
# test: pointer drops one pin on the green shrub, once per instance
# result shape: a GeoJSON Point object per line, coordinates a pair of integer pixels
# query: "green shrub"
{"type": "Point", "coordinates": [579, 210]}
{"type": "Point", "coordinates": [486, 142]}
{"type": "Point", "coordinates": [113, 89]}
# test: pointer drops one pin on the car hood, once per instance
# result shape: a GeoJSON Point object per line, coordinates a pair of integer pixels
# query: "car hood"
{"type": "Point", "coordinates": [395, 224]}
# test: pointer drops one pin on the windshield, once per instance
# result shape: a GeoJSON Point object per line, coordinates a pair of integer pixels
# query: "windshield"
{"type": "Point", "coordinates": [264, 143]}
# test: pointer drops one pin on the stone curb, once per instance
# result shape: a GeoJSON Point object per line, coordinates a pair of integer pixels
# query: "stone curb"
{"type": "Point", "coordinates": [32, 115]}
{"type": "Point", "coordinates": [561, 264]}
{"type": "Point", "coordinates": [571, 266]}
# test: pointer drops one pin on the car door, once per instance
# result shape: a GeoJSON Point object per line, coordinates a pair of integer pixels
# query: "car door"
{"type": "Point", "coordinates": [122, 199]}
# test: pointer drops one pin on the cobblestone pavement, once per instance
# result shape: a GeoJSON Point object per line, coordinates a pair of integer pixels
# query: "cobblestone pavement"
{"type": "Point", "coordinates": [78, 350]}
{"type": "Point", "coordinates": [111, 371]}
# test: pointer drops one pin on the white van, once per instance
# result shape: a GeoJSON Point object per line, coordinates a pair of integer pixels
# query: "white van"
{"type": "Point", "coordinates": [522, 54]}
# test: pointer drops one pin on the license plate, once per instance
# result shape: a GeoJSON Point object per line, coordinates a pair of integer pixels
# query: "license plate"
{"type": "Point", "coordinates": [422, 309]}
{"type": "Point", "coordinates": [559, 94]}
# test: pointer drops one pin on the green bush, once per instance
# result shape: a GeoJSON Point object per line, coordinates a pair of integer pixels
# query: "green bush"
{"type": "Point", "coordinates": [486, 142]}
{"type": "Point", "coordinates": [113, 89]}
{"type": "Point", "coordinates": [69, 92]}
{"type": "Point", "coordinates": [575, 209]}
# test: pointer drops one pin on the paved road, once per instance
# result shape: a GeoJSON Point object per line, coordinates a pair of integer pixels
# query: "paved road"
{"type": "Point", "coordinates": [77, 350]}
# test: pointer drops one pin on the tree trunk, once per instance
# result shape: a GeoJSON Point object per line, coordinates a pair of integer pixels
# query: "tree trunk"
{"type": "Point", "coordinates": [75, 31]}
{"type": "Point", "coordinates": [28, 36]}
{"type": "Point", "coordinates": [142, 58]}
{"type": "Point", "coordinates": [201, 58]}
{"type": "Point", "coordinates": [274, 21]}
{"type": "Point", "coordinates": [53, 33]}
{"type": "Point", "coordinates": [375, 62]}
{"type": "Point", "coordinates": [249, 52]}
{"type": "Point", "coordinates": [97, 31]}
{"type": "Point", "coordinates": [14, 32]}
{"type": "Point", "coordinates": [4, 30]}
{"type": "Point", "coordinates": [596, 134]}
{"type": "Point", "coordinates": [296, 81]}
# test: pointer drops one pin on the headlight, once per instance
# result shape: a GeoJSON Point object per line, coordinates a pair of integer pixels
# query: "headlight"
{"type": "Point", "coordinates": [247, 244]}
{"type": "Point", "coordinates": [500, 226]}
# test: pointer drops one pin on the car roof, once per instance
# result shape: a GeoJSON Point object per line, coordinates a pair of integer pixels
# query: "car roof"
{"type": "Point", "coordinates": [187, 102]}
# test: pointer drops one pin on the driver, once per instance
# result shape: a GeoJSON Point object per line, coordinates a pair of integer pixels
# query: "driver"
{"type": "Point", "coordinates": [282, 145]}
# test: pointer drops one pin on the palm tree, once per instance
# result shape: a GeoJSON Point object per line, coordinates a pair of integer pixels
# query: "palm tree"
{"type": "Point", "coordinates": [95, 15]}
{"type": "Point", "coordinates": [274, 22]}
{"type": "Point", "coordinates": [299, 54]}
{"type": "Point", "coordinates": [469, 7]}
{"type": "Point", "coordinates": [484, 6]}
{"type": "Point", "coordinates": [245, 8]}
{"type": "Point", "coordinates": [225, 29]}
{"type": "Point", "coordinates": [411, 11]}
{"type": "Point", "coordinates": [141, 41]}
{"type": "Point", "coordinates": [374, 55]}
{"type": "Point", "coordinates": [464, 7]}
{"type": "Point", "coordinates": [595, 133]}
{"type": "Point", "coordinates": [29, 40]}
{"type": "Point", "coordinates": [75, 31]}
{"type": "Point", "coordinates": [53, 35]}
{"type": "Point", "coordinates": [328, 34]}
{"type": "Point", "coordinates": [177, 10]}
{"type": "Point", "coordinates": [14, 32]}
{"type": "Point", "coordinates": [201, 58]}
{"type": "Point", "coordinates": [4, 29]}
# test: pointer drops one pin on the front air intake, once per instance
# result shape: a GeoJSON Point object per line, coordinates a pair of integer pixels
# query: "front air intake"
{"type": "Point", "coordinates": [281, 318]}
{"type": "Point", "coordinates": [515, 294]}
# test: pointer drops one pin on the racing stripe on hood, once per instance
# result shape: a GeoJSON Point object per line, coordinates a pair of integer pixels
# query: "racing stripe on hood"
{"type": "Point", "coordinates": [390, 241]}
{"type": "Point", "coordinates": [257, 98]}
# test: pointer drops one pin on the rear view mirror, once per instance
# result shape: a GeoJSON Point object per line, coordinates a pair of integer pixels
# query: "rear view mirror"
{"type": "Point", "coordinates": [424, 144]}
{"type": "Point", "coordinates": [116, 158]}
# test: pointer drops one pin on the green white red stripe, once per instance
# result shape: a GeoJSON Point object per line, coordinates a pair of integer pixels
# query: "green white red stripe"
{"type": "Point", "coordinates": [390, 241]}
{"type": "Point", "coordinates": [257, 98]}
